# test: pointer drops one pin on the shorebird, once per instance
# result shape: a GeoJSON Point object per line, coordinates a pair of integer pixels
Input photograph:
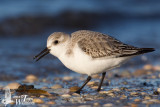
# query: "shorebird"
{"type": "Point", "coordinates": [89, 52]}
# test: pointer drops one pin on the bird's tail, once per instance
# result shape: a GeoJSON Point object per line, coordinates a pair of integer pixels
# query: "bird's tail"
{"type": "Point", "coordinates": [136, 51]}
{"type": "Point", "coordinates": [145, 50]}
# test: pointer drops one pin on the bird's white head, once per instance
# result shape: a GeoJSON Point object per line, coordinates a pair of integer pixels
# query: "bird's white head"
{"type": "Point", "coordinates": [56, 44]}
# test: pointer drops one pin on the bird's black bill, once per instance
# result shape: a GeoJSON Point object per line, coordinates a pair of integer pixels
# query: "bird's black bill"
{"type": "Point", "coordinates": [41, 54]}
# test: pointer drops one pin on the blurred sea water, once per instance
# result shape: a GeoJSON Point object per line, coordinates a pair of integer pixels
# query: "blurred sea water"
{"type": "Point", "coordinates": [131, 7]}
{"type": "Point", "coordinates": [130, 21]}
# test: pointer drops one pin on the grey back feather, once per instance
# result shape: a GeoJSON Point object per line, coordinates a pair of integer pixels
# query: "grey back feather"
{"type": "Point", "coordinates": [99, 45]}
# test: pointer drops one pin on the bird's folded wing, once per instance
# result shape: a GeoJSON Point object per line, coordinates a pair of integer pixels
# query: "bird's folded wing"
{"type": "Point", "coordinates": [99, 45]}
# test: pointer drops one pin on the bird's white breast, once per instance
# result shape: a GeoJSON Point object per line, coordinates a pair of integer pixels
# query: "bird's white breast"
{"type": "Point", "coordinates": [82, 63]}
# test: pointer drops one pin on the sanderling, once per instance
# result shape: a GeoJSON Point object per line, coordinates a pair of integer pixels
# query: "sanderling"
{"type": "Point", "coordinates": [89, 52]}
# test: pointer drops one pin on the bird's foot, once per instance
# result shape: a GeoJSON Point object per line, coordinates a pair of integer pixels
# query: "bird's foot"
{"type": "Point", "coordinates": [78, 91]}
{"type": "Point", "coordinates": [99, 89]}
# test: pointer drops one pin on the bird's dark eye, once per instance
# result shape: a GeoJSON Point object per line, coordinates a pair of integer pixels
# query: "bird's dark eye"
{"type": "Point", "coordinates": [56, 42]}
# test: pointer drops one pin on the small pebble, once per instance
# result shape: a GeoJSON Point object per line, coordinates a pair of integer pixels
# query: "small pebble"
{"type": "Point", "coordinates": [44, 106]}
{"type": "Point", "coordinates": [123, 88]}
{"type": "Point", "coordinates": [158, 89]}
{"type": "Point", "coordinates": [109, 91]}
{"type": "Point", "coordinates": [155, 100]}
{"type": "Point", "coordinates": [76, 94]}
{"type": "Point", "coordinates": [103, 92]}
{"type": "Point", "coordinates": [51, 102]}
{"type": "Point", "coordinates": [44, 80]}
{"type": "Point", "coordinates": [13, 85]}
{"type": "Point", "coordinates": [38, 101]}
{"type": "Point", "coordinates": [42, 96]}
{"type": "Point", "coordinates": [88, 99]}
{"type": "Point", "coordinates": [108, 105]}
{"type": "Point", "coordinates": [73, 89]}
{"type": "Point", "coordinates": [157, 68]}
{"type": "Point", "coordinates": [118, 101]}
{"type": "Point", "coordinates": [66, 95]}
{"type": "Point", "coordinates": [144, 101]}
{"type": "Point", "coordinates": [96, 76]}
{"type": "Point", "coordinates": [134, 105]}
{"type": "Point", "coordinates": [147, 98]}
{"type": "Point", "coordinates": [134, 93]}
{"type": "Point", "coordinates": [100, 97]}
{"type": "Point", "coordinates": [32, 96]}
{"type": "Point", "coordinates": [123, 97]}
{"type": "Point", "coordinates": [116, 89]}
{"type": "Point", "coordinates": [139, 72]}
{"type": "Point", "coordinates": [67, 78]}
{"type": "Point", "coordinates": [137, 100]}
{"type": "Point", "coordinates": [143, 93]}
{"type": "Point", "coordinates": [56, 86]}
{"type": "Point", "coordinates": [126, 74]}
{"type": "Point", "coordinates": [153, 77]}
{"type": "Point", "coordinates": [84, 106]}
{"type": "Point", "coordinates": [147, 102]}
{"type": "Point", "coordinates": [111, 94]}
{"type": "Point", "coordinates": [96, 104]}
{"type": "Point", "coordinates": [31, 78]}
{"type": "Point", "coordinates": [57, 78]}
{"type": "Point", "coordinates": [91, 83]}
{"type": "Point", "coordinates": [148, 67]}
{"type": "Point", "coordinates": [94, 87]}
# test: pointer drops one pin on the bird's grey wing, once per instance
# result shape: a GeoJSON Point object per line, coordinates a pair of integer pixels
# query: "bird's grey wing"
{"type": "Point", "coordinates": [99, 45]}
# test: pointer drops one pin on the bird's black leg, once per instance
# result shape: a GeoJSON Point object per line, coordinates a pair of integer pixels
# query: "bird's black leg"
{"type": "Point", "coordinates": [88, 79]}
{"type": "Point", "coordinates": [99, 87]}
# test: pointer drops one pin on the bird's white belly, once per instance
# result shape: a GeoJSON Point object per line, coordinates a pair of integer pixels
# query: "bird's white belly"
{"type": "Point", "coordinates": [84, 64]}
